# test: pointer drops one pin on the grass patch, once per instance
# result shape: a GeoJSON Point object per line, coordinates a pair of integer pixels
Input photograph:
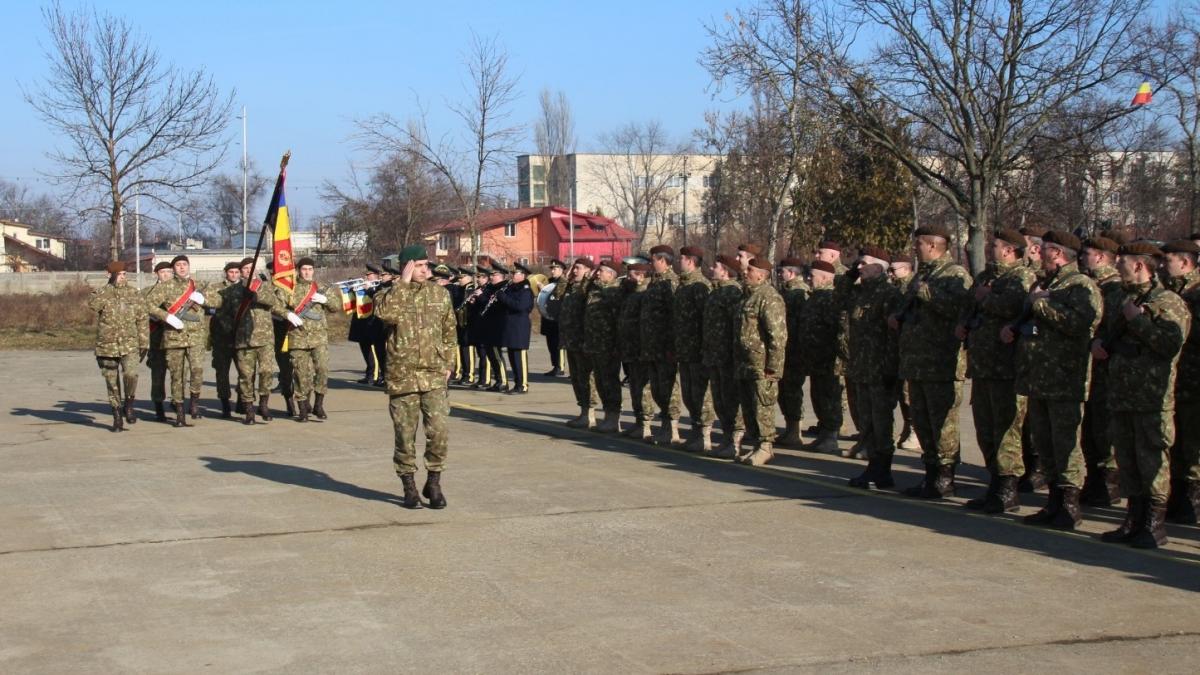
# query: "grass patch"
{"type": "Point", "coordinates": [59, 320]}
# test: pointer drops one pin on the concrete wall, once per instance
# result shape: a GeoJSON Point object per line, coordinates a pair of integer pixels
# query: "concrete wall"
{"type": "Point", "coordinates": [52, 282]}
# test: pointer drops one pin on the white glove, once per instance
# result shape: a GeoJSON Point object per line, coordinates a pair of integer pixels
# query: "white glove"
{"type": "Point", "coordinates": [197, 297]}
{"type": "Point", "coordinates": [319, 298]}
{"type": "Point", "coordinates": [174, 322]}
{"type": "Point", "coordinates": [295, 320]}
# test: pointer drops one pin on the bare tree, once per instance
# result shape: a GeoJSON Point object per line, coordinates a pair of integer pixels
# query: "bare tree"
{"type": "Point", "coordinates": [640, 165]}
{"type": "Point", "coordinates": [130, 124]}
{"type": "Point", "coordinates": [223, 201]}
{"type": "Point", "coordinates": [39, 211]}
{"type": "Point", "coordinates": [554, 136]}
{"type": "Point", "coordinates": [1175, 56]}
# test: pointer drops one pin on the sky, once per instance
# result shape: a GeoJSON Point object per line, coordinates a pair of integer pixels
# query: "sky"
{"type": "Point", "coordinates": [305, 71]}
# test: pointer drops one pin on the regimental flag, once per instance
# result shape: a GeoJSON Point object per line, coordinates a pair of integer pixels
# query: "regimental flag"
{"type": "Point", "coordinates": [281, 246]}
{"type": "Point", "coordinates": [347, 299]}
{"type": "Point", "coordinates": [364, 305]}
{"type": "Point", "coordinates": [1142, 97]}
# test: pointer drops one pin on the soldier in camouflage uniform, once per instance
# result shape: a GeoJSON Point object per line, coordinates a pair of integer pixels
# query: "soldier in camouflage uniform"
{"type": "Point", "coordinates": [830, 251]}
{"type": "Point", "coordinates": [658, 342]}
{"type": "Point", "coordinates": [931, 357]}
{"type": "Point", "coordinates": [1100, 488]}
{"type": "Point", "coordinates": [571, 335]}
{"type": "Point", "coordinates": [185, 332]}
{"type": "Point", "coordinates": [156, 359]}
{"type": "Point", "coordinates": [1033, 479]}
{"type": "Point", "coordinates": [308, 341]}
{"type": "Point", "coordinates": [629, 342]}
{"type": "Point", "coordinates": [791, 386]}
{"type": "Point", "coordinates": [1052, 359]}
{"type": "Point", "coordinates": [220, 333]}
{"type": "Point", "coordinates": [1184, 279]}
{"type": "Point", "coordinates": [760, 345]}
{"type": "Point", "coordinates": [600, 342]}
{"type": "Point", "coordinates": [688, 324]}
{"type": "Point", "coordinates": [122, 339]}
{"type": "Point", "coordinates": [420, 350]}
{"type": "Point", "coordinates": [900, 274]}
{"type": "Point", "coordinates": [998, 411]}
{"type": "Point", "coordinates": [814, 348]}
{"type": "Point", "coordinates": [254, 309]}
{"type": "Point", "coordinates": [1142, 350]}
{"type": "Point", "coordinates": [720, 308]}
{"type": "Point", "coordinates": [871, 368]}
{"type": "Point", "coordinates": [286, 376]}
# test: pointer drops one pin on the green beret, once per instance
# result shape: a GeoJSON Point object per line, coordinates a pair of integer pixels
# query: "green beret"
{"type": "Point", "coordinates": [411, 253]}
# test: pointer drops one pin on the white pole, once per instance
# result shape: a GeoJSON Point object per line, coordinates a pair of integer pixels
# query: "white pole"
{"type": "Point", "coordinates": [137, 237]}
{"type": "Point", "coordinates": [180, 215]}
{"type": "Point", "coordinates": [245, 183]}
{"type": "Point", "coordinates": [571, 226]}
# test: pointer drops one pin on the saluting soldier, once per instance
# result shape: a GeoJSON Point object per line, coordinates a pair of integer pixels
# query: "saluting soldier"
{"type": "Point", "coordinates": [830, 251]}
{"type": "Point", "coordinates": [515, 301]}
{"type": "Point", "coordinates": [254, 309]}
{"type": "Point", "coordinates": [1142, 350]}
{"type": "Point", "coordinates": [308, 341]}
{"type": "Point", "coordinates": [760, 330]}
{"type": "Point", "coordinates": [1100, 488]}
{"type": "Point", "coordinates": [901, 271]}
{"type": "Point", "coordinates": [1033, 479]}
{"type": "Point", "coordinates": [156, 359]}
{"type": "Point", "coordinates": [122, 340]}
{"type": "Point", "coordinates": [365, 328]}
{"type": "Point", "coordinates": [629, 341]}
{"type": "Point", "coordinates": [1184, 279]}
{"type": "Point", "coordinates": [791, 386]}
{"type": "Point", "coordinates": [549, 326]}
{"type": "Point", "coordinates": [220, 331]}
{"type": "Point", "coordinates": [719, 310]}
{"type": "Point", "coordinates": [600, 342]}
{"type": "Point", "coordinates": [572, 336]}
{"type": "Point", "coordinates": [1053, 364]}
{"type": "Point", "coordinates": [658, 341]}
{"type": "Point", "coordinates": [688, 325]}
{"type": "Point", "coordinates": [815, 351]}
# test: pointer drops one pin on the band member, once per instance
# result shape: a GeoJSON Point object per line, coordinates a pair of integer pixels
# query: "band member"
{"type": "Point", "coordinates": [122, 339]}
{"type": "Point", "coordinates": [475, 303]}
{"type": "Point", "coordinates": [516, 299]}
{"type": "Point", "coordinates": [365, 328]}
{"type": "Point", "coordinates": [549, 324]}
{"type": "Point", "coordinates": [466, 353]}
{"type": "Point", "coordinates": [494, 318]}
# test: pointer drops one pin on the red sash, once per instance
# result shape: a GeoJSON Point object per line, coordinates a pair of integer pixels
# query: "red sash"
{"type": "Point", "coordinates": [304, 303]}
{"type": "Point", "coordinates": [155, 324]}
{"type": "Point", "coordinates": [255, 284]}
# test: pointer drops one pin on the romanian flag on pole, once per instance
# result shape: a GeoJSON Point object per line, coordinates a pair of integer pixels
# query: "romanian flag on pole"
{"type": "Point", "coordinates": [1142, 97]}
{"type": "Point", "coordinates": [281, 231]}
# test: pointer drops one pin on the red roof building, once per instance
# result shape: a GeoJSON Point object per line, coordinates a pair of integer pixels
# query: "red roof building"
{"type": "Point", "coordinates": [532, 236]}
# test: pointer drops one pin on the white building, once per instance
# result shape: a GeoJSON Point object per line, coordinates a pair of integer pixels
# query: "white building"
{"type": "Point", "coordinates": [27, 250]}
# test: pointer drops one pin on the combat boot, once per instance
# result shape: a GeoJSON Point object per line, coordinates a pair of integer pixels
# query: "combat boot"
{"type": "Point", "coordinates": [827, 443]}
{"type": "Point", "coordinates": [264, 408]}
{"type": "Point", "coordinates": [908, 438]}
{"type": "Point", "coordinates": [1048, 512]}
{"type": "Point", "coordinates": [1134, 520]}
{"type": "Point", "coordinates": [581, 421]}
{"type": "Point", "coordinates": [979, 502]}
{"type": "Point", "coordinates": [118, 419]}
{"type": "Point", "coordinates": [1099, 488]}
{"type": "Point", "coordinates": [180, 417]}
{"type": "Point", "coordinates": [856, 450]}
{"type": "Point", "coordinates": [791, 434]}
{"type": "Point", "coordinates": [668, 434]}
{"type": "Point", "coordinates": [130, 415]}
{"type": "Point", "coordinates": [943, 483]}
{"type": "Point", "coordinates": [863, 480]}
{"type": "Point", "coordinates": [1068, 516]}
{"type": "Point", "coordinates": [412, 500]}
{"type": "Point", "coordinates": [732, 446]}
{"type": "Point", "coordinates": [611, 423]}
{"type": "Point", "coordinates": [195, 407]}
{"type": "Point", "coordinates": [761, 455]}
{"type": "Point", "coordinates": [702, 442]}
{"type": "Point", "coordinates": [633, 430]}
{"type": "Point", "coordinates": [1153, 532]}
{"type": "Point", "coordinates": [248, 414]}
{"type": "Point", "coordinates": [291, 406]}
{"type": "Point", "coordinates": [226, 409]}
{"type": "Point", "coordinates": [160, 414]}
{"type": "Point", "coordinates": [302, 409]}
{"type": "Point", "coordinates": [433, 490]}
{"type": "Point", "coordinates": [1032, 481]}
{"type": "Point", "coordinates": [241, 405]}
{"type": "Point", "coordinates": [1184, 503]}
{"type": "Point", "coordinates": [1004, 498]}
{"type": "Point", "coordinates": [319, 407]}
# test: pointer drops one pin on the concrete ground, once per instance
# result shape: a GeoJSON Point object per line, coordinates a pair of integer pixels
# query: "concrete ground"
{"type": "Point", "coordinates": [281, 547]}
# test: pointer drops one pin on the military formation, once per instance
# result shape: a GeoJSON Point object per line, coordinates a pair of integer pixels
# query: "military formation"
{"type": "Point", "coordinates": [1084, 368]}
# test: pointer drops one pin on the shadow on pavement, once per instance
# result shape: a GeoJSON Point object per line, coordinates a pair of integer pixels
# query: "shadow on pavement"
{"type": "Point", "coordinates": [296, 475]}
{"type": "Point", "coordinates": [86, 414]}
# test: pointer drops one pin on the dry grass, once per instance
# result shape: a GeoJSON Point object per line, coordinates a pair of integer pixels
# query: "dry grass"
{"type": "Point", "coordinates": [48, 321]}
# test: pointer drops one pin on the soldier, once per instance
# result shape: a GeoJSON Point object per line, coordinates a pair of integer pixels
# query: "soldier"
{"type": "Point", "coordinates": [514, 303]}
{"type": "Point", "coordinates": [1052, 371]}
{"type": "Point", "coordinates": [996, 407]}
{"type": "Point", "coordinates": [1100, 488]}
{"type": "Point", "coordinates": [180, 303]}
{"type": "Point", "coordinates": [1185, 454]}
{"type": "Point", "coordinates": [549, 326]}
{"type": "Point", "coordinates": [901, 271]}
{"type": "Point", "coordinates": [600, 342]}
{"type": "Point", "coordinates": [1033, 479]}
{"type": "Point", "coordinates": [629, 341]}
{"type": "Point", "coordinates": [931, 357]}
{"type": "Point", "coordinates": [1142, 350]}
{"type": "Point", "coordinates": [746, 253]}
{"type": "Point", "coordinates": [871, 368]}
{"type": "Point", "coordinates": [420, 348]}
{"type": "Point", "coordinates": [719, 310]}
{"type": "Point", "coordinates": [658, 342]}
{"type": "Point", "coordinates": [364, 330]}
{"type": "Point", "coordinates": [572, 337]}
{"type": "Point", "coordinates": [156, 359]}
{"type": "Point", "coordinates": [830, 251]}
{"type": "Point", "coordinates": [308, 341]}
{"type": "Point", "coordinates": [253, 341]}
{"type": "Point", "coordinates": [815, 351]}
{"type": "Point", "coordinates": [760, 343]}
{"type": "Point", "coordinates": [688, 324]}
{"type": "Point", "coordinates": [122, 340]}
{"type": "Point", "coordinates": [220, 331]}
{"type": "Point", "coordinates": [791, 386]}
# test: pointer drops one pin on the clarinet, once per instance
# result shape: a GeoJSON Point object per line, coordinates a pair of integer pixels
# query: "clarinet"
{"type": "Point", "coordinates": [492, 298]}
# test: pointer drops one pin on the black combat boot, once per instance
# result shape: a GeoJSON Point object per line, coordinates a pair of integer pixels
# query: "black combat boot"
{"type": "Point", "coordinates": [1048, 512]}
{"type": "Point", "coordinates": [1005, 498]}
{"type": "Point", "coordinates": [248, 414]}
{"type": "Point", "coordinates": [1068, 516]}
{"type": "Point", "coordinates": [159, 414]}
{"type": "Point", "coordinates": [195, 412]}
{"type": "Point", "coordinates": [302, 410]}
{"type": "Point", "coordinates": [130, 416]}
{"type": "Point", "coordinates": [1153, 532]}
{"type": "Point", "coordinates": [118, 419]}
{"type": "Point", "coordinates": [241, 405]}
{"type": "Point", "coordinates": [1184, 502]}
{"type": "Point", "coordinates": [1099, 488]}
{"type": "Point", "coordinates": [319, 407]}
{"type": "Point", "coordinates": [1134, 516]}
{"type": "Point", "coordinates": [943, 484]}
{"type": "Point", "coordinates": [879, 472]}
{"type": "Point", "coordinates": [264, 407]}
{"type": "Point", "coordinates": [291, 406]}
{"type": "Point", "coordinates": [979, 502]}
{"type": "Point", "coordinates": [919, 489]}
{"type": "Point", "coordinates": [411, 499]}
{"type": "Point", "coordinates": [433, 490]}
{"type": "Point", "coordinates": [226, 409]}
{"type": "Point", "coordinates": [863, 480]}
{"type": "Point", "coordinates": [180, 416]}
{"type": "Point", "coordinates": [1032, 481]}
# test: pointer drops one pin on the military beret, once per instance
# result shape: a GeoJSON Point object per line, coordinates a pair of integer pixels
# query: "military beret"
{"type": "Point", "coordinates": [792, 262]}
{"type": "Point", "coordinates": [1011, 236]}
{"type": "Point", "coordinates": [1141, 248]}
{"type": "Point", "coordinates": [694, 251]}
{"type": "Point", "coordinates": [557, 263]}
{"type": "Point", "coordinates": [412, 253]}
{"type": "Point", "coordinates": [752, 249]}
{"type": "Point", "coordinates": [1181, 246]}
{"type": "Point", "coordinates": [1033, 231]}
{"type": "Point", "coordinates": [823, 266]}
{"type": "Point", "coordinates": [115, 267]}
{"type": "Point", "coordinates": [1117, 236]}
{"type": "Point", "coordinates": [586, 262]}
{"type": "Point", "coordinates": [761, 263]}
{"type": "Point", "coordinates": [374, 269]}
{"type": "Point", "coordinates": [729, 262]}
{"type": "Point", "coordinates": [164, 265]}
{"type": "Point", "coordinates": [876, 252]}
{"type": "Point", "coordinates": [246, 261]}
{"type": "Point", "coordinates": [1102, 243]}
{"type": "Point", "coordinates": [610, 264]}
{"type": "Point", "coordinates": [830, 244]}
{"type": "Point", "coordinates": [662, 248]}
{"type": "Point", "coordinates": [638, 267]}
{"type": "Point", "coordinates": [178, 258]}
{"type": "Point", "coordinates": [932, 231]}
{"type": "Point", "coordinates": [1062, 239]}
{"type": "Point", "coordinates": [233, 265]}
{"type": "Point", "coordinates": [497, 268]}
{"type": "Point", "coordinates": [518, 267]}
{"type": "Point", "coordinates": [902, 257]}
{"type": "Point", "coordinates": [305, 261]}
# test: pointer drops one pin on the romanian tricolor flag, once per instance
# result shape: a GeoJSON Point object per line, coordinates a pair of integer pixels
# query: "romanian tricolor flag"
{"type": "Point", "coordinates": [364, 305]}
{"type": "Point", "coordinates": [1142, 97]}
{"type": "Point", "coordinates": [347, 299]}
{"type": "Point", "coordinates": [281, 230]}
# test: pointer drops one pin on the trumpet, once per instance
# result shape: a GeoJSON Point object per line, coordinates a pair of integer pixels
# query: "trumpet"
{"type": "Point", "coordinates": [361, 284]}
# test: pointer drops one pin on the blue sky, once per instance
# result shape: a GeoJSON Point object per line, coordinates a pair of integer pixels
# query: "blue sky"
{"type": "Point", "coordinates": [306, 70]}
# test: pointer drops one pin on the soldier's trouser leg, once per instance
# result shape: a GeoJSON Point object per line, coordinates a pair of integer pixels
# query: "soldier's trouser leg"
{"type": "Point", "coordinates": [693, 384]}
{"type": "Point", "coordinates": [1142, 441]}
{"type": "Point", "coordinates": [791, 393]}
{"type": "Point", "coordinates": [759, 398]}
{"type": "Point", "coordinates": [483, 367]}
{"type": "Point", "coordinates": [825, 390]}
{"type": "Point", "coordinates": [1054, 430]}
{"type": "Point", "coordinates": [607, 371]}
{"type": "Point", "coordinates": [496, 361]}
{"type": "Point", "coordinates": [999, 414]}
{"type": "Point", "coordinates": [727, 400]}
{"type": "Point", "coordinates": [222, 358]}
{"type": "Point", "coordinates": [368, 354]}
{"type": "Point", "coordinates": [245, 358]}
{"type": "Point", "coordinates": [552, 345]}
{"type": "Point", "coordinates": [1185, 453]}
{"type": "Point", "coordinates": [664, 388]}
{"type": "Point", "coordinates": [195, 372]}
{"type": "Point", "coordinates": [466, 354]}
{"type": "Point", "coordinates": [157, 360]}
{"type": "Point", "coordinates": [431, 408]}
{"type": "Point", "coordinates": [877, 412]}
{"type": "Point", "coordinates": [905, 403]}
{"type": "Point", "coordinates": [320, 363]}
{"type": "Point", "coordinates": [1097, 448]}
{"type": "Point", "coordinates": [639, 390]}
{"type": "Point", "coordinates": [176, 364]}
{"type": "Point", "coordinates": [935, 419]}
{"type": "Point", "coordinates": [519, 360]}
{"type": "Point", "coordinates": [852, 404]}
{"type": "Point", "coordinates": [118, 371]}
{"type": "Point", "coordinates": [302, 373]}
{"type": "Point", "coordinates": [582, 378]}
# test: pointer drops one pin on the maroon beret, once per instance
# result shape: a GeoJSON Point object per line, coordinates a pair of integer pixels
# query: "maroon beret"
{"type": "Point", "coordinates": [1062, 239]}
{"type": "Point", "coordinates": [932, 231]}
{"type": "Point", "coordinates": [1141, 248]}
{"type": "Point", "coordinates": [1181, 246]}
{"type": "Point", "coordinates": [115, 267]}
{"type": "Point", "coordinates": [752, 249]}
{"type": "Point", "coordinates": [1011, 236]}
{"type": "Point", "coordinates": [246, 261]}
{"type": "Point", "coordinates": [638, 267]}
{"type": "Point", "coordinates": [694, 251]}
{"type": "Point", "coordinates": [902, 257]}
{"type": "Point", "coordinates": [305, 261]}
{"type": "Point", "coordinates": [792, 262]}
{"type": "Point", "coordinates": [1033, 231]}
{"type": "Point", "coordinates": [662, 248]}
{"type": "Point", "coordinates": [1102, 243]}
{"type": "Point", "coordinates": [179, 258]}
{"type": "Point", "coordinates": [164, 265]}
{"type": "Point", "coordinates": [729, 262]}
{"type": "Point", "coordinates": [586, 262]}
{"type": "Point", "coordinates": [830, 244]}
{"type": "Point", "coordinates": [232, 265]}
{"type": "Point", "coordinates": [824, 266]}
{"type": "Point", "coordinates": [876, 252]}
{"type": "Point", "coordinates": [761, 263]}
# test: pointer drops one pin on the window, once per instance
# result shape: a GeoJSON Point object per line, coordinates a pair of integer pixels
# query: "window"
{"type": "Point", "coordinates": [539, 173]}
{"type": "Point", "coordinates": [445, 241]}
{"type": "Point", "coordinates": [675, 218]}
{"type": "Point", "coordinates": [510, 229]}
{"type": "Point", "coordinates": [641, 181]}
{"type": "Point", "coordinates": [523, 194]}
{"type": "Point", "coordinates": [524, 261]}
{"type": "Point", "coordinates": [539, 194]}
{"type": "Point", "coordinates": [1115, 199]}
{"type": "Point", "coordinates": [43, 244]}
{"type": "Point", "coordinates": [676, 181]}
{"type": "Point", "coordinates": [710, 181]}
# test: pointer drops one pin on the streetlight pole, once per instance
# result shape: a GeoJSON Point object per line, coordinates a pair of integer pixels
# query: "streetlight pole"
{"type": "Point", "coordinates": [245, 183]}
{"type": "Point", "coordinates": [571, 226]}
{"type": "Point", "coordinates": [684, 176]}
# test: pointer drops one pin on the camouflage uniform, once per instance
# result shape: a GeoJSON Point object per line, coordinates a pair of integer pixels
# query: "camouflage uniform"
{"type": "Point", "coordinates": [791, 387]}
{"type": "Point", "coordinates": [931, 357]}
{"type": "Point", "coordinates": [1185, 455]}
{"type": "Point", "coordinates": [997, 409]}
{"type": "Point", "coordinates": [871, 368]}
{"type": "Point", "coordinates": [1141, 396]}
{"type": "Point", "coordinates": [1052, 358]}
{"type": "Point", "coordinates": [902, 391]}
{"type": "Point", "coordinates": [719, 315]}
{"type": "Point", "coordinates": [1097, 448]}
{"type": "Point", "coordinates": [121, 333]}
{"type": "Point", "coordinates": [688, 324]}
{"type": "Point", "coordinates": [600, 341]}
{"type": "Point", "coordinates": [814, 350]}
{"type": "Point", "coordinates": [571, 336]}
{"type": "Point", "coordinates": [629, 339]}
{"type": "Point", "coordinates": [156, 358]}
{"type": "Point", "coordinates": [254, 339]}
{"type": "Point", "coordinates": [760, 345]}
{"type": "Point", "coordinates": [658, 342]}
{"type": "Point", "coordinates": [308, 344]}
{"type": "Point", "coordinates": [220, 332]}
{"type": "Point", "coordinates": [186, 343]}
{"type": "Point", "coordinates": [420, 349]}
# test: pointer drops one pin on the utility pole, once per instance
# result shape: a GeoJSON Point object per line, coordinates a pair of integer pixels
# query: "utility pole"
{"type": "Point", "coordinates": [245, 183]}
{"type": "Point", "coordinates": [137, 237]}
{"type": "Point", "coordinates": [684, 175]}
{"type": "Point", "coordinates": [571, 225]}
